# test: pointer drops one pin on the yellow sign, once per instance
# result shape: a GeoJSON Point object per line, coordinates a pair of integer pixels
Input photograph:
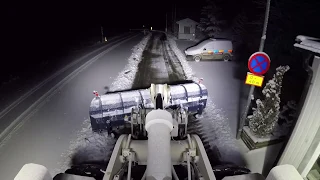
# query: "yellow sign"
{"type": "Point", "coordinates": [254, 80]}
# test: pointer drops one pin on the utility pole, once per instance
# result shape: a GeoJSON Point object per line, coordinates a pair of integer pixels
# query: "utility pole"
{"type": "Point", "coordinates": [102, 38]}
{"type": "Point", "coordinates": [172, 19]}
{"type": "Point", "coordinates": [175, 16]}
{"type": "Point", "coordinates": [166, 22]}
{"type": "Point", "coordinates": [175, 13]}
{"type": "Point", "coordinates": [262, 42]}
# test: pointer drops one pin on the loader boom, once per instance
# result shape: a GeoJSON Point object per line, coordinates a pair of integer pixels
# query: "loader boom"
{"type": "Point", "coordinates": [158, 157]}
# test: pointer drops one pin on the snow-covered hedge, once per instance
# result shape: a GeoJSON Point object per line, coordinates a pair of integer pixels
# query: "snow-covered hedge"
{"type": "Point", "coordinates": [266, 115]}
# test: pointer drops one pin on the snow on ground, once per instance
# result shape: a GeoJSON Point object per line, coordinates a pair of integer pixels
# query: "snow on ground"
{"type": "Point", "coordinates": [215, 121]}
{"type": "Point", "coordinates": [185, 65]}
{"type": "Point", "coordinates": [216, 125]}
{"type": "Point", "coordinates": [90, 146]}
{"type": "Point", "coordinates": [157, 63]}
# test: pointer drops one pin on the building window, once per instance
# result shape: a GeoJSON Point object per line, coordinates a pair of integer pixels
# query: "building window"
{"type": "Point", "coordinates": [186, 29]}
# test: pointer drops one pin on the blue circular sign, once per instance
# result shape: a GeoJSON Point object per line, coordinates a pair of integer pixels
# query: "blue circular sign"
{"type": "Point", "coordinates": [259, 63]}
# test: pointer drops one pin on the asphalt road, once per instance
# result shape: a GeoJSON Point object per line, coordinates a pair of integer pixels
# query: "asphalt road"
{"type": "Point", "coordinates": [48, 128]}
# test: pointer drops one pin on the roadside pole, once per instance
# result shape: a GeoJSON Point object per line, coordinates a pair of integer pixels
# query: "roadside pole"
{"type": "Point", "coordinates": [102, 38]}
{"type": "Point", "coordinates": [166, 22]}
{"type": "Point", "coordinates": [262, 42]}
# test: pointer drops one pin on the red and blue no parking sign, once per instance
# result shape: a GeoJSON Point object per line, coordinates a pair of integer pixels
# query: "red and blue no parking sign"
{"type": "Point", "coordinates": [259, 63]}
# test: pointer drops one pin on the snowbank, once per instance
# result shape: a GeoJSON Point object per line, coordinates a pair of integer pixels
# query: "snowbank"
{"type": "Point", "coordinates": [126, 77]}
{"type": "Point", "coordinates": [90, 146]}
{"type": "Point", "coordinates": [182, 58]}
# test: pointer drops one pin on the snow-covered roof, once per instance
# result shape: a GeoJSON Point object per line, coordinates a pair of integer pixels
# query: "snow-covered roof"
{"type": "Point", "coordinates": [219, 39]}
{"type": "Point", "coordinates": [303, 38]}
{"type": "Point", "coordinates": [308, 43]}
{"type": "Point", "coordinates": [187, 20]}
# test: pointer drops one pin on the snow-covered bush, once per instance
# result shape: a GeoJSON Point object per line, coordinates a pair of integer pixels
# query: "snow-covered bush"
{"type": "Point", "coordinates": [264, 118]}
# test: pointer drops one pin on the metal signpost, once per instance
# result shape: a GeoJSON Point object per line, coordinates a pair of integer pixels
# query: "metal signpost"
{"type": "Point", "coordinates": [258, 65]}
{"type": "Point", "coordinates": [263, 38]}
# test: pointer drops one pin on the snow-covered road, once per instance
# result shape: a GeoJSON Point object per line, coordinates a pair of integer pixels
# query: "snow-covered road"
{"type": "Point", "coordinates": [158, 64]}
{"type": "Point", "coordinates": [47, 131]}
{"type": "Point", "coordinates": [58, 130]}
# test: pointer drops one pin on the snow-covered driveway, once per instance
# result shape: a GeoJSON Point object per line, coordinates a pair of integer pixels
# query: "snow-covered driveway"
{"type": "Point", "coordinates": [223, 83]}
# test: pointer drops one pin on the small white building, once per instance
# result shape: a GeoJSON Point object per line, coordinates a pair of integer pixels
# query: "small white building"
{"type": "Point", "coordinates": [187, 29]}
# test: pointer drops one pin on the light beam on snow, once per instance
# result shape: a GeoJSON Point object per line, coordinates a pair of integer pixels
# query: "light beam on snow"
{"type": "Point", "coordinates": [93, 146]}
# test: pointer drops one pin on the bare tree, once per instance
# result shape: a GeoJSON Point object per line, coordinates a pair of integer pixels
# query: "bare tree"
{"type": "Point", "coordinates": [210, 23]}
{"type": "Point", "coordinates": [239, 28]}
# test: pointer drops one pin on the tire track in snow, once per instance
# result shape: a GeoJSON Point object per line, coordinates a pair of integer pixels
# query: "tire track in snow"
{"type": "Point", "coordinates": [158, 65]}
{"type": "Point", "coordinates": [174, 68]}
{"type": "Point", "coordinates": [152, 68]}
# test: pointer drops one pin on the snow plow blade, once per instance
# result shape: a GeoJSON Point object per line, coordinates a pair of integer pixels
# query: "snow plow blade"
{"type": "Point", "coordinates": [115, 109]}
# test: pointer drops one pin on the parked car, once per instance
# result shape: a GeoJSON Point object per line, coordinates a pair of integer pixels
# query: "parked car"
{"type": "Point", "coordinates": [211, 49]}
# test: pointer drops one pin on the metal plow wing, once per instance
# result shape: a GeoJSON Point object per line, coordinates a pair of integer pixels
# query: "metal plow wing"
{"type": "Point", "coordinates": [115, 109]}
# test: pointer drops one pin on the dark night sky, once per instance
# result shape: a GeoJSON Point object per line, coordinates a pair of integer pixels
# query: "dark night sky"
{"type": "Point", "coordinates": [62, 22]}
{"type": "Point", "coordinates": [116, 14]}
